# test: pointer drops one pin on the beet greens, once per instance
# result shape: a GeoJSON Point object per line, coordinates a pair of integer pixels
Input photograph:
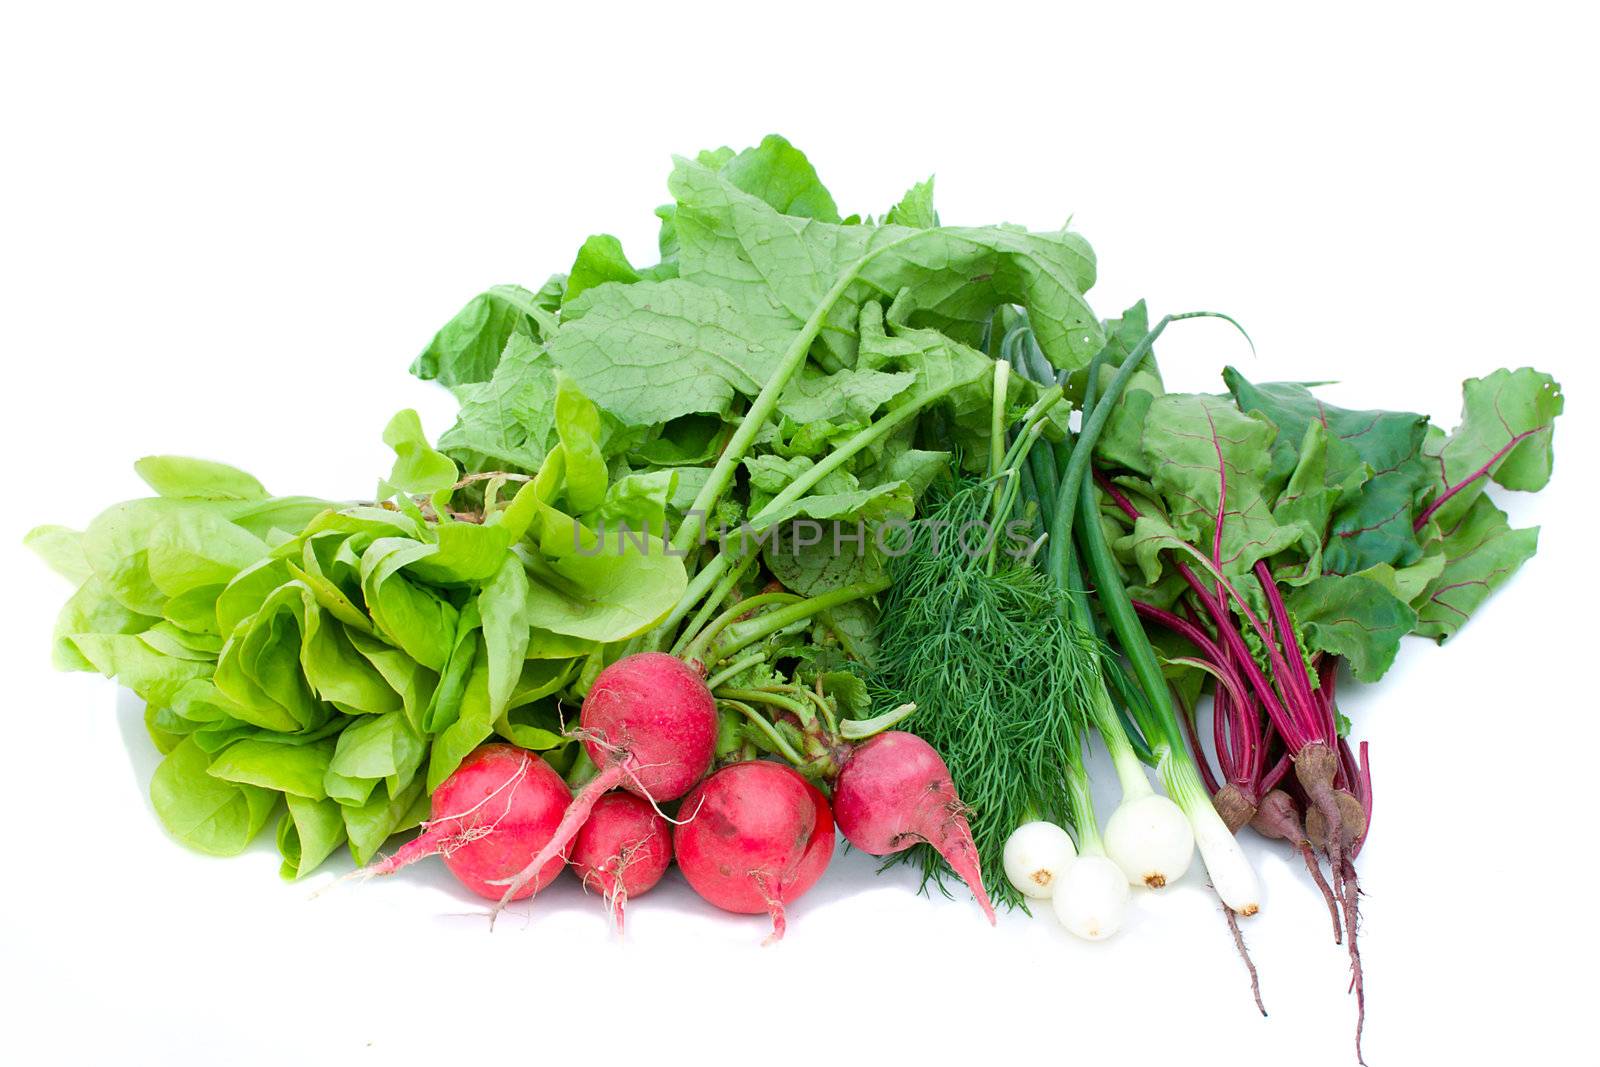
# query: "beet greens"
{"type": "Point", "coordinates": [1275, 537]}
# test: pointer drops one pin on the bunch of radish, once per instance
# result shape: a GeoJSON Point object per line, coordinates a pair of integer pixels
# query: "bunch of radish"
{"type": "Point", "coordinates": [750, 838]}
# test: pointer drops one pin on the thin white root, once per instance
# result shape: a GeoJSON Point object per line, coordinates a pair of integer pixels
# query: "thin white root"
{"type": "Point", "coordinates": [360, 874]}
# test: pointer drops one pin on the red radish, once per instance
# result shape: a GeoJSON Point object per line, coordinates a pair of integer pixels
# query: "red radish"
{"type": "Point", "coordinates": [893, 792]}
{"type": "Point", "coordinates": [747, 844]}
{"type": "Point", "coordinates": [499, 808]}
{"type": "Point", "coordinates": [622, 851]}
{"type": "Point", "coordinates": [819, 850]}
{"type": "Point", "coordinates": [650, 724]}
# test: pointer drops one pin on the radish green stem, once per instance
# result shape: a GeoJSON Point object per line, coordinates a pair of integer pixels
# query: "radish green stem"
{"type": "Point", "coordinates": [770, 623]}
{"type": "Point", "coordinates": [696, 649]}
{"type": "Point", "coordinates": [796, 489]}
{"type": "Point", "coordinates": [854, 729]}
{"type": "Point", "coordinates": [834, 460]}
{"type": "Point", "coordinates": [771, 733]}
{"type": "Point", "coordinates": [802, 711]}
{"type": "Point", "coordinates": [697, 588]}
{"type": "Point", "coordinates": [734, 668]}
{"type": "Point", "coordinates": [823, 708]}
{"type": "Point", "coordinates": [723, 590]}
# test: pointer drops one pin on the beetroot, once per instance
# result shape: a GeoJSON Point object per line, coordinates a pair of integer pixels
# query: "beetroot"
{"type": "Point", "coordinates": [750, 842]}
{"type": "Point", "coordinates": [894, 791]}
{"type": "Point", "coordinates": [650, 725]}
{"type": "Point", "coordinates": [499, 809]}
{"type": "Point", "coordinates": [622, 851]}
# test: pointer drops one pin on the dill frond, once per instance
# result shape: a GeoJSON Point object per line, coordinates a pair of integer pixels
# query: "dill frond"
{"type": "Point", "coordinates": [1000, 676]}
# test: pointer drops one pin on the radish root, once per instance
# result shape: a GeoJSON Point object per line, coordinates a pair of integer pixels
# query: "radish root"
{"type": "Point", "coordinates": [572, 820]}
{"type": "Point", "coordinates": [774, 907]}
{"type": "Point", "coordinates": [434, 841]}
{"type": "Point", "coordinates": [616, 898]}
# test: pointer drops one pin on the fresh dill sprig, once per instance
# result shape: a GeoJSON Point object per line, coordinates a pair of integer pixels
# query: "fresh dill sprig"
{"type": "Point", "coordinates": [1000, 675]}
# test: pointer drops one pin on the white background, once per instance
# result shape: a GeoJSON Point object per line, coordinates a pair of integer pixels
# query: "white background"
{"type": "Point", "coordinates": [226, 233]}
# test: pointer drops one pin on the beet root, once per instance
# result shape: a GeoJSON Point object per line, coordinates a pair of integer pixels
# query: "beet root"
{"type": "Point", "coordinates": [895, 791]}
{"type": "Point", "coordinates": [1277, 817]}
{"type": "Point", "coordinates": [1336, 824]}
{"type": "Point", "coordinates": [1235, 808]}
{"type": "Point", "coordinates": [622, 850]}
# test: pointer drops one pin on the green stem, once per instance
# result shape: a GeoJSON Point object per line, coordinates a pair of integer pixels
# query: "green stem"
{"type": "Point", "coordinates": [697, 588]}
{"type": "Point", "coordinates": [765, 625]}
{"type": "Point", "coordinates": [1181, 779]}
{"type": "Point", "coordinates": [1095, 416]}
{"type": "Point", "coordinates": [1081, 805]}
{"type": "Point", "coordinates": [1042, 461]}
{"type": "Point", "coordinates": [1094, 421]}
{"type": "Point", "coordinates": [997, 440]}
{"type": "Point", "coordinates": [1035, 417]}
{"type": "Point", "coordinates": [777, 739]}
{"type": "Point", "coordinates": [723, 590]}
{"type": "Point", "coordinates": [836, 459]}
{"type": "Point", "coordinates": [801, 711]}
{"type": "Point", "coordinates": [734, 668]}
{"type": "Point", "coordinates": [823, 709]}
{"type": "Point", "coordinates": [1130, 772]}
{"type": "Point", "coordinates": [856, 729]}
{"type": "Point", "coordinates": [997, 416]}
{"type": "Point", "coordinates": [1118, 609]}
{"type": "Point", "coordinates": [1014, 468]}
{"type": "Point", "coordinates": [766, 402]}
{"type": "Point", "coordinates": [794, 491]}
{"type": "Point", "coordinates": [696, 649]}
{"type": "Point", "coordinates": [1134, 713]}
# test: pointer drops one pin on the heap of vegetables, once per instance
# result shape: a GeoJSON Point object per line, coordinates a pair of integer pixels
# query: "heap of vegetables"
{"type": "Point", "coordinates": [639, 604]}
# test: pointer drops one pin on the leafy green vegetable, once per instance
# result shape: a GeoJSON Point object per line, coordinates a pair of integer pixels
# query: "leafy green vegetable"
{"type": "Point", "coordinates": [206, 813]}
{"type": "Point", "coordinates": [1353, 617]}
{"type": "Point", "coordinates": [197, 479]}
{"type": "Point", "coordinates": [915, 208]}
{"type": "Point", "coordinates": [308, 833]}
{"type": "Point", "coordinates": [1479, 553]}
{"type": "Point", "coordinates": [417, 467]}
{"type": "Point", "coordinates": [600, 260]}
{"type": "Point", "coordinates": [467, 348]}
{"type": "Point", "coordinates": [1505, 436]}
{"type": "Point", "coordinates": [1369, 527]}
{"type": "Point", "coordinates": [1210, 463]}
{"type": "Point", "coordinates": [506, 423]}
{"type": "Point", "coordinates": [653, 351]}
{"type": "Point", "coordinates": [780, 175]}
